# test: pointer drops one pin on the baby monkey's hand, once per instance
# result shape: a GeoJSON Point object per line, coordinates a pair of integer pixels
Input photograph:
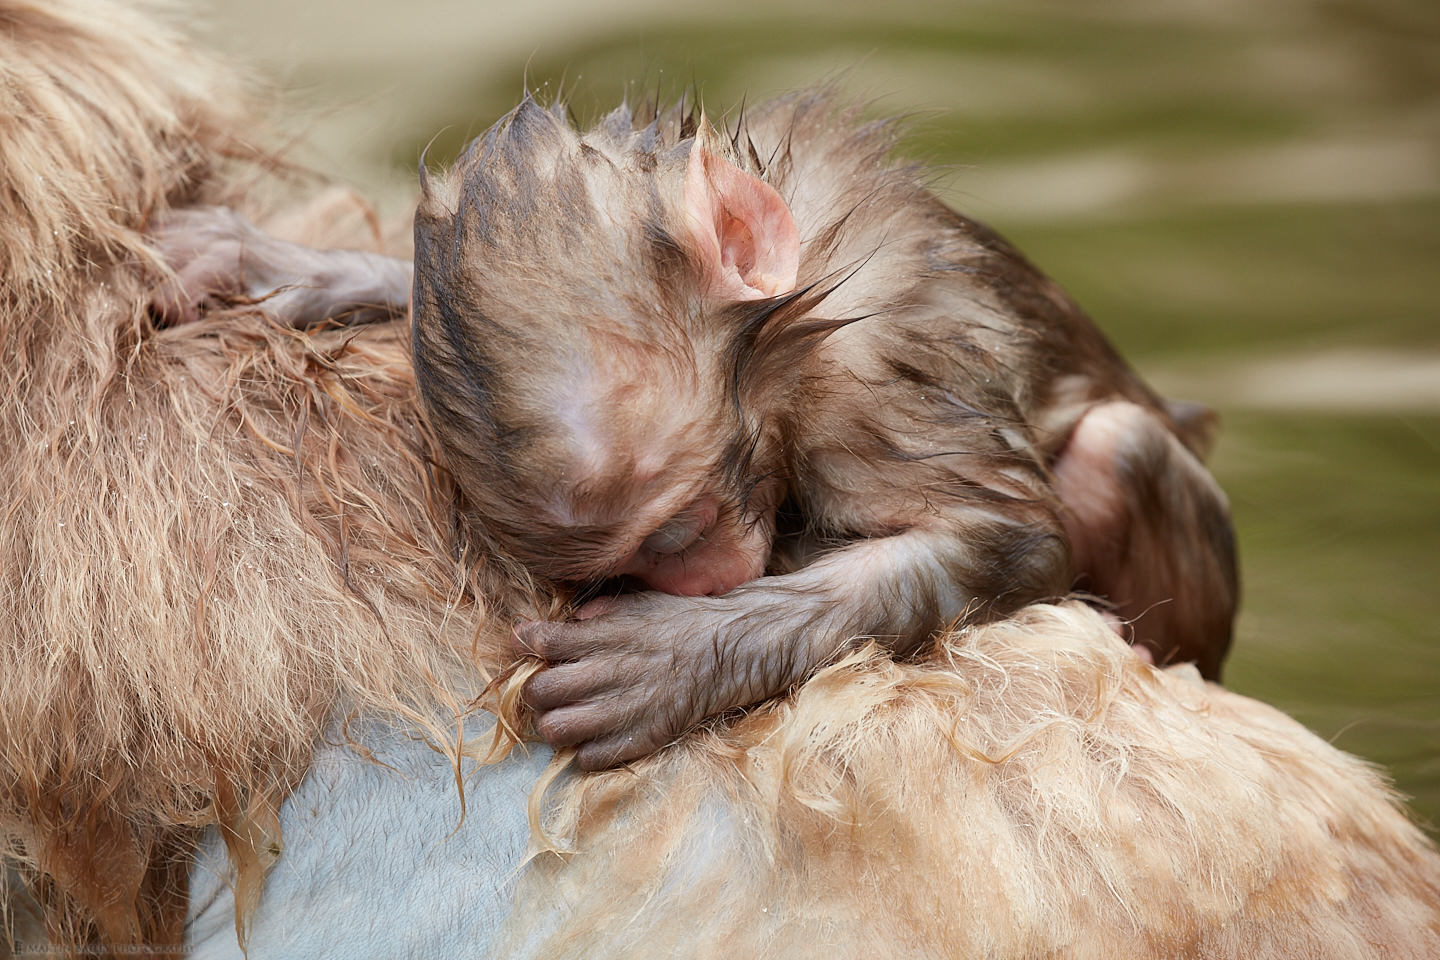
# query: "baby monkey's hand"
{"type": "Point", "coordinates": [635, 672]}
{"type": "Point", "coordinates": [219, 258]}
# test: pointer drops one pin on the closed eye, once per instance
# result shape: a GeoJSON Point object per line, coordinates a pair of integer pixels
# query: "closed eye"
{"type": "Point", "coordinates": [676, 535]}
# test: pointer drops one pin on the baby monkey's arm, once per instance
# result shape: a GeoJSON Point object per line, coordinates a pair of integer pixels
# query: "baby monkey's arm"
{"type": "Point", "coordinates": [219, 258]}
{"type": "Point", "coordinates": [640, 670]}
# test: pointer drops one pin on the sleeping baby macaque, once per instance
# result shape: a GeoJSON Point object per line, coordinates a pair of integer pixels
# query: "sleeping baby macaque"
{"type": "Point", "coordinates": [772, 379]}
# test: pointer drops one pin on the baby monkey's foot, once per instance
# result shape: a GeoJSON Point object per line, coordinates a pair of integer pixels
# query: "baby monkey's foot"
{"type": "Point", "coordinates": [1150, 532]}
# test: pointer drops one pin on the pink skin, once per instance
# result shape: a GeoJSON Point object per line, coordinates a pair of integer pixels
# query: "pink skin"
{"type": "Point", "coordinates": [710, 560]}
{"type": "Point", "coordinates": [1086, 483]}
{"type": "Point", "coordinates": [706, 570]}
{"type": "Point", "coordinates": [750, 242]}
{"type": "Point", "coordinates": [1120, 545]}
{"type": "Point", "coordinates": [711, 566]}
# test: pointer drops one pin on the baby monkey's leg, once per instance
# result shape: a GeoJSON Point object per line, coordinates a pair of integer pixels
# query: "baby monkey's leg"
{"type": "Point", "coordinates": [1150, 531]}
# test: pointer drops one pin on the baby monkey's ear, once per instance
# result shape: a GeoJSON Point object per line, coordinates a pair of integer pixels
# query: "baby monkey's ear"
{"type": "Point", "coordinates": [743, 231]}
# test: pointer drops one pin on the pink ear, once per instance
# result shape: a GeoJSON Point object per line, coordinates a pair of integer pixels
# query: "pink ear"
{"type": "Point", "coordinates": [746, 236]}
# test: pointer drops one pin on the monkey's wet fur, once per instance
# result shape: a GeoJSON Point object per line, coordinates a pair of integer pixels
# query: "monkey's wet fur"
{"type": "Point", "coordinates": [222, 535]}
{"type": "Point", "coordinates": [636, 342]}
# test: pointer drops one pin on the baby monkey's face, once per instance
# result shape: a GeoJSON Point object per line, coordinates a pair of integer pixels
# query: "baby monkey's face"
{"type": "Point", "coordinates": [651, 474]}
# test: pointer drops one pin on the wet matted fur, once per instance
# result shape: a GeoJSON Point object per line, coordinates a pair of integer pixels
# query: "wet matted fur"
{"type": "Point", "coordinates": [212, 535]}
{"type": "Point", "coordinates": [1032, 791]}
{"type": "Point", "coordinates": [217, 536]}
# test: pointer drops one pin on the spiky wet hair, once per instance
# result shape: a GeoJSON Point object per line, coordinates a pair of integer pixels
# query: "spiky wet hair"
{"type": "Point", "coordinates": [545, 246]}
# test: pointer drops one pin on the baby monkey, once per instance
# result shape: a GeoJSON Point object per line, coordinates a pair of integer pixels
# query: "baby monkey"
{"type": "Point", "coordinates": [773, 378]}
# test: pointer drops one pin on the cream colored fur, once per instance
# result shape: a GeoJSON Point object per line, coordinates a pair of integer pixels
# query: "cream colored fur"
{"type": "Point", "coordinates": [1032, 790]}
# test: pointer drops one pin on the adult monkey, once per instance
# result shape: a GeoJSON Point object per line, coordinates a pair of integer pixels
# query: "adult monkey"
{"type": "Point", "coordinates": [220, 536]}
{"type": "Point", "coordinates": [215, 536]}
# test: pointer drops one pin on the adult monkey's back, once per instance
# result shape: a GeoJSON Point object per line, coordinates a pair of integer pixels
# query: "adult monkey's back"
{"type": "Point", "coordinates": [214, 535]}
{"type": "Point", "coordinates": [1034, 791]}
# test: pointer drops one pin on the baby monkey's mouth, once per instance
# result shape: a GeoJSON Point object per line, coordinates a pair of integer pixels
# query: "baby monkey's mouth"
{"type": "Point", "coordinates": [608, 587]}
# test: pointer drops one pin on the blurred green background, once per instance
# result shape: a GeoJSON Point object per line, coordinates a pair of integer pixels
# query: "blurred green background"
{"type": "Point", "coordinates": [1246, 196]}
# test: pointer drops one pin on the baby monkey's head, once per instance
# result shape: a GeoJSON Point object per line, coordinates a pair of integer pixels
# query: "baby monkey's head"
{"type": "Point", "coordinates": [607, 330]}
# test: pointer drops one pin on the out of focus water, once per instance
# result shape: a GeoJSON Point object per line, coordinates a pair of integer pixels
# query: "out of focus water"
{"type": "Point", "coordinates": [1245, 195]}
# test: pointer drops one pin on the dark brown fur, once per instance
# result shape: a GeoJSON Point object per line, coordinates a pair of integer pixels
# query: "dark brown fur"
{"type": "Point", "coordinates": [908, 389]}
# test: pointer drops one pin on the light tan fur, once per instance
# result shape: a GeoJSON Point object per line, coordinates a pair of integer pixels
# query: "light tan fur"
{"type": "Point", "coordinates": [1033, 790]}
{"type": "Point", "coordinates": [213, 536]}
